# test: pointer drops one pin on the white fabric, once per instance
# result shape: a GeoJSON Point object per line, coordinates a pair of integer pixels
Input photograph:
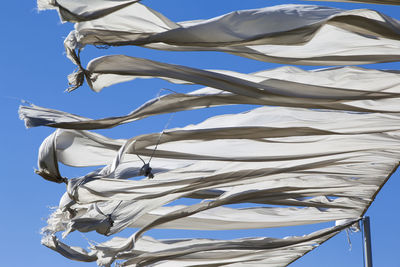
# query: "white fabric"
{"type": "Point", "coordinates": [313, 146]}
{"type": "Point", "coordinates": [300, 159]}
{"type": "Point", "coordinates": [280, 165]}
{"type": "Point", "coordinates": [108, 70]}
{"type": "Point", "coordinates": [320, 155]}
{"type": "Point", "coordinates": [76, 10]}
{"type": "Point", "coordinates": [354, 80]}
{"type": "Point", "coordinates": [203, 252]}
{"type": "Point", "coordinates": [305, 34]}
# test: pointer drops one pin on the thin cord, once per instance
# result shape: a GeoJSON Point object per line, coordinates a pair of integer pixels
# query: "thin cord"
{"type": "Point", "coordinates": [16, 98]}
{"type": "Point", "coordinates": [91, 242]}
{"type": "Point", "coordinates": [116, 207]}
{"type": "Point", "coordinates": [161, 134]}
{"type": "Point", "coordinates": [102, 213]}
{"type": "Point", "coordinates": [166, 89]}
{"type": "Point", "coordinates": [146, 169]}
{"type": "Point", "coordinates": [99, 210]}
{"type": "Point", "coordinates": [140, 158]}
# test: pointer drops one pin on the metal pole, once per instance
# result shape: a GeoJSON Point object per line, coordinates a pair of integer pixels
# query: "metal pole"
{"type": "Point", "coordinates": [367, 242]}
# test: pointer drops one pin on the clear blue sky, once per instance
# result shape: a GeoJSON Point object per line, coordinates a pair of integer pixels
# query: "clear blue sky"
{"type": "Point", "coordinates": [34, 68]}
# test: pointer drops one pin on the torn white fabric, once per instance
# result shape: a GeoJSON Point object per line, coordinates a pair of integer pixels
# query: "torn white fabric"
{"type": "Point", "coordinates": [109, 70]}
{"type": "Point", "coordinates": [319, 150]}
{"type": "Point", "coordinates": [305, 34]}
{"type": "Point", "coordinates": [301, 158]}
{"type": "Point", "coordinates": [267, 122]}
{"type": "Point", "coordinates": [288, 161]}
{"type": "Point", "coordinates": [345, 78]}
{"type": "Point", "coordinates": [146, 251]}
{"type": "Point", "coordinates": [81, 217]}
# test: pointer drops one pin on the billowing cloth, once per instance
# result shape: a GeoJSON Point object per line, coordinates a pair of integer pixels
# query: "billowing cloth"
{"type": "Point", "coordinates": [266, 122]}
{"type": "Point", "coordinates": [363, 85]}
{"type": "Point", "coordinates": [305, 34]}
{"type": "Point", "coordinates": [322, 169]}
{"type": "Point", "coordinates": [109, 70]}
{"type": "Point", "coordinates": [319, 168]}
{"type": "Point", "coordinates": [200, 252]}
{"type": "Point", "coordinates": [318, 150]}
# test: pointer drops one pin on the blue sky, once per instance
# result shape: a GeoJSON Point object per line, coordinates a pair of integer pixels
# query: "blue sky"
{"type": "Point", "coordinates": [34, 68]}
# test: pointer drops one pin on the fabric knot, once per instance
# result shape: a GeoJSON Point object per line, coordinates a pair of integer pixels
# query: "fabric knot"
{"type": "Point", "coordinates": [146, 171]}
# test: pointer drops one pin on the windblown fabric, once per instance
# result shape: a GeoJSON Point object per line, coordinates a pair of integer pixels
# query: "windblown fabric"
{"type": "Point", "coordinates": [306, 161]}
{"type": "Point", "coordinates": [305, 34]}
{"type": "Point", "coordinates": [108, 70]}
{"type": "Point", "coordinates": [202, 252]}
{"type": "Point", "coordinates": [367, 83]}
{"type": "Point", "coordinates": [318, 149]}
{"type": "Point", "coordinates": [76, 10]}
